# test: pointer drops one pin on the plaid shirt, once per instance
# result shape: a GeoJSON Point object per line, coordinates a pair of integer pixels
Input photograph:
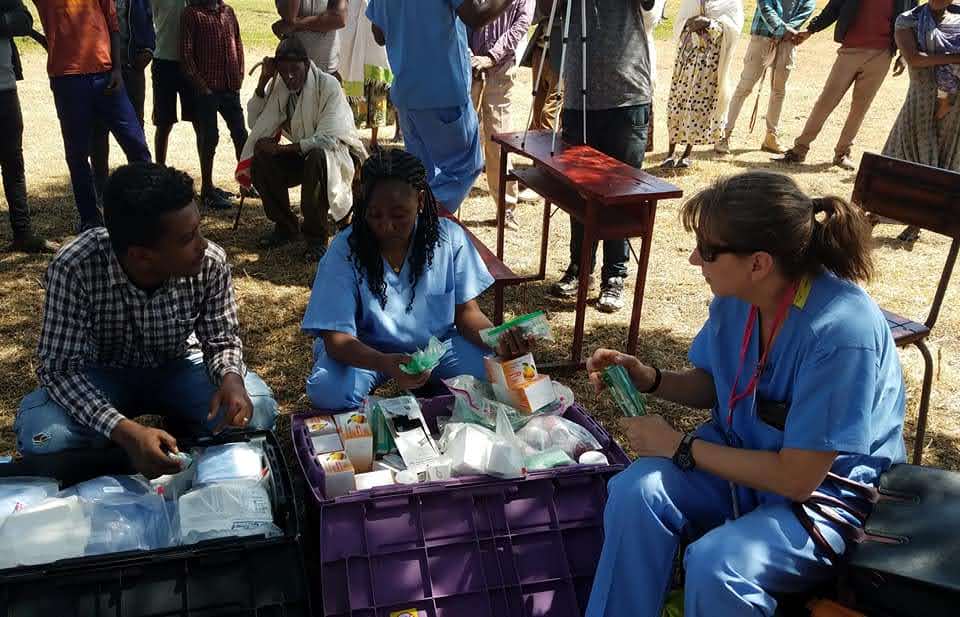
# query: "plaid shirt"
{"type": "Point", "coordinates": [211, 52]}
{"type": "Point", "coordinates": [769, 20]}
{"type": "Point", "coordinates": [95, 317]}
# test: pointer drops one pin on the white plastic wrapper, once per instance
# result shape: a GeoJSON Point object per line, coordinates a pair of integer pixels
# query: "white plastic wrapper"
{"type": "Point", "coordinates": [19, 493]}
{"type": "Point", "coordinates": [476, 402]}
{"type": "Point", "coordinates": [54, 529]}
{"type": "Point", "coordinates": [474, 449]}
{"type": "Point", "coordinates": [545, 432]}
{"type": "Point", "coordinates": [226, 509]}
{"type": "Point", "coordinates": [232, 461]}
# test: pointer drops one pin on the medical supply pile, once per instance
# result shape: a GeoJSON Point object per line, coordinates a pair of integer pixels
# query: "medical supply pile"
{"type": "Point", "coordinates": [221, 491]}
{"type": "Point", "coordinates": [503, 427]}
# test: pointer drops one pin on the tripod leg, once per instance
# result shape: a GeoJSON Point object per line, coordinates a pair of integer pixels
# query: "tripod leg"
{"type": "Point", "coordinates": [583, 63]}
{"type": "Point", "coordinates": [563, 61]}
{"type": "Point", "coordinates": [539, 72]}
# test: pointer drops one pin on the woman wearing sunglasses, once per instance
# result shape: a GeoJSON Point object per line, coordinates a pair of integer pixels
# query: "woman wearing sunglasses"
{"type": "Point", "coordinates": [801, 373]}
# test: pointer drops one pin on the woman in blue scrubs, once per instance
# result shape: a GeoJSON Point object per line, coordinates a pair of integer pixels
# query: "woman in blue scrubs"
{"type": "Point", "coordinates": [801, 372]}
{"type": "Point", "coordinates": [399, 275]}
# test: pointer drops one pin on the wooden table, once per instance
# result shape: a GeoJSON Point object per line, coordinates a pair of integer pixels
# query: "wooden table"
{"type": "Point", "coordinates": [610, 198]}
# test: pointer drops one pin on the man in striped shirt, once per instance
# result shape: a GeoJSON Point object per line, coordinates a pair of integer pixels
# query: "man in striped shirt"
{"type": "Point", "coordinates": [140, 317]}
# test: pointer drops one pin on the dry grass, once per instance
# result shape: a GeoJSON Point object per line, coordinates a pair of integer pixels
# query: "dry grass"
{"type": "Point", "coordinates": [273, 286]}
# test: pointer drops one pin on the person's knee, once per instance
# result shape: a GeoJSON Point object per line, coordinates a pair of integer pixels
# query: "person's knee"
{"type": "Point", "coordinates": [265, 409]}
{"type": "Point", "coordinates": [42, 426]}
{"type": "Point", "coordinates": [715, 559]}
{"type": "Point", "coordinates": [329, 388]}
{"type": "Point", "coordinates": [642, 481]}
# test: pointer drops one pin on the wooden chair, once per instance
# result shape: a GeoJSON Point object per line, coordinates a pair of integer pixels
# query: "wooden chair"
{"type": "Point", "coordinates": [928, 198]}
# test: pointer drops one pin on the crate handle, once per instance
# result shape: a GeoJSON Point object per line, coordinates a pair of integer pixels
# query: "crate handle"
{"type": "Point", "coordinates": [488, 491]}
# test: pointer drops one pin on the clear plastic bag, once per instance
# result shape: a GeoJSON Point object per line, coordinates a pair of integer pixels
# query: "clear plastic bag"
{"type": "Point", "coordinates": [232, 461]}
{"type": "Point", "coordinates": [125, 515]}
{"type": "Point", "coordinates": [545, 432]}
{"type": "Point", "coordinates": [53, 529]}
{"type": "Point", "coordinates": [631, 402]}
{"type": "Point", "coordinates": [475, 402]}
{"type": "Point", "coordinates": [548, 459]}
{"type": "Point", "coordinates": [474, 449]}
{"type": "Point", "coordinates": [428, 358]}
{"type": "Point", "coordinates": [226, 509]}
{"type": "Point", "coordinates": [532, 326]}
{"type": "Point", "coordinates": [23, 492]}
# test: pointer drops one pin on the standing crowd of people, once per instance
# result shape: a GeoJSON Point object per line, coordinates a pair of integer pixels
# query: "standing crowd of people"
{"type": "Point", "coordinates": [140, 313]}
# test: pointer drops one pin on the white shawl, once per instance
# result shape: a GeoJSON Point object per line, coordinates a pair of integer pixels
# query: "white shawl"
{"type": "Point", "coordinates": [322, 118]}
{"type": "Point", "coordinates": [357, 46]}
{"type": "Point", "coordinates": [729, 14]}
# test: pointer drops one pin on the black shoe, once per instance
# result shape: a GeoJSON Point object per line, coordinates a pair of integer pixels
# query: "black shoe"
{"type": "Point", "coordinates": [216, 199]}
{"type": "Point", "coordinates": [276, 239]}
{"type": "Point", "coordinates": [611, 295]}
{"type": "Point", "coordinates": [316, 248]}
{"type": "Point", "coordinates": [566, 287]}
{"type": "Point", "coordinates": [88, 224]}
{"type": "Point", "coordinates": [29, 242]}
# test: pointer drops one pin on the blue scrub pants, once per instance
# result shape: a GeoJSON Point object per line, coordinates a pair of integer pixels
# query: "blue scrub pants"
{"type": "Point", "coordinates": [81, 99]}
{"type": "Point", "coordinates": [179, 390]}
{"type": "Point", "coordinates": [732, 568]}
{"type": "Point", "coordinates": [333, 386]}
{"type": "Point", "coordinates": [447, 142]}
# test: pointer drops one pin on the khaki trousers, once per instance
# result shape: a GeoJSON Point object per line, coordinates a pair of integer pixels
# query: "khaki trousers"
{"type": "Point", "coordinates": [492, 98]}
{"type": "Point", "coordinates": [865, 70]}
{"type": "Point", "coordinates": [763, 52]}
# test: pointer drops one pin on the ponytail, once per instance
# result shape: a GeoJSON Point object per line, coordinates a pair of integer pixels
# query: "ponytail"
{"type": "Point", "coordinates": [841, 239]}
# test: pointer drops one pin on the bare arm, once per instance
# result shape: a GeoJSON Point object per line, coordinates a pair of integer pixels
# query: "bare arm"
{"type": "Point", "coordinates": [378, 35]}
{"type": "Point", "coordinates": [478, 13]}
{"type": "Point", "coordinates": [334, 18]}
{"type": "Point", "coordinates": [470, 319]}
{"type": "Point", "coordinates": [907, 44]}
{"type": "Point", "coordinates": [794, 474]}
{"type": "Point", "coordinates": [349, 350]}
{"type": "Point", "coordinates": [692, 387]}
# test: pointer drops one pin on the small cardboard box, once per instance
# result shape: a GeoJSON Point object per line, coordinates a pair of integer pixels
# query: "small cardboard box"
{"type": "Point", "coordinates": [533, 395]}
{"type": "Point", "coordinates": [511, 373]}
{"type": "Point", "coordinates": [338, 474]}
{"type": "Point", "coordinates": [371, 479]}
{"type": "Point", "coordinates": [330, 442]}
{"type": "Point", "coordinates": [357, 436]}
{"type": "Point", "coordinates": [320, 425]}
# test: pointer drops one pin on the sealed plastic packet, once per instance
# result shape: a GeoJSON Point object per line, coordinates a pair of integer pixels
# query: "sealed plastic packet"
{"type": "Point", "coordinates": [532, 326]}
{"type": "Point", "coordinates": [624, 393]}
{"type": "Point", "coordinates": [428, 358]}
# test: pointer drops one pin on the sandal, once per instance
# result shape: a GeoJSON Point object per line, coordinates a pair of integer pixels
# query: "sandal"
{"type": "Point", "coordinates": [910, 234]}
{"type": "Point", "coordinates": [684, 163]}
{"type": "Point", "coordinates": [670, 163]}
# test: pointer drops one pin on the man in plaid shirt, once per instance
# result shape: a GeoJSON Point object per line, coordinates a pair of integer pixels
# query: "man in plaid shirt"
{"type": "Point", "coordinates": [140, 317]}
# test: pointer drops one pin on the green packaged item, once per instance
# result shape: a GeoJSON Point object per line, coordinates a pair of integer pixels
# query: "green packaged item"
{"type": "Point", "coordinates": [428, 358]}
{"type": "Point", "coordinates": [382, 438]}
{"type": "Point", "coordinates": [548, 459]}
{"type": "Point", "coordinates": [624, 393]}
{"type": "Point", "coordinates": [533, 326]}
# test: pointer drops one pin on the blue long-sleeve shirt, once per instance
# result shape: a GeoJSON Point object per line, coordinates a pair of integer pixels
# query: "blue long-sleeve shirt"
{"type": "Point", "coordinates": [770, 21]}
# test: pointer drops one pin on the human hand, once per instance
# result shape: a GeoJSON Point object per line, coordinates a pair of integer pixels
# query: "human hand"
{"type": "Point", "coordinates": [651, 435]}
{"type": "Point", "coordinates": [641, 375]}
{"type": "Point", "coordinates": [899, 66]}
{"type": "Point", "coordinates": [233, 399]}
{"type": "Point", "coordinates": [512, 344]}
{"type": "Point", "coordinates": [391, 366]}
{"type": "Point", "coordinates": [267, 146]}
{"type": "Point", "coordinates": [698, 23]}
{"type": "Point", "coordinates": [799, 38]}
{"type": "Point", "coordinates": [142, 59]}
{"type": "Point", "coordinates": [268, 69]}
{"type": "Point", "coordinates": [481, 63]}
{"type": "Point", "coordinates": [147, 447]}
{"type": "Point", "coordinates": [116, 81]}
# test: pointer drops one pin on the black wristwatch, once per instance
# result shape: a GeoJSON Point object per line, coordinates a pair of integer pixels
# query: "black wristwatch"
{"type": "Point", "coordinates": [683, 457]}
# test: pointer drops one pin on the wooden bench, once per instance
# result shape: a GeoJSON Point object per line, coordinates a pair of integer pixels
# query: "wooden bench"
{"type": "Point", "coordinates": [928, 198]}
{"type": "Point", "coordinates": [502, 275]}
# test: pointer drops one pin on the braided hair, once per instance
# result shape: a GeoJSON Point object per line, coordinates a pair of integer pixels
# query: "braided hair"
{"type": "Point", "coordinates": [393, 164]}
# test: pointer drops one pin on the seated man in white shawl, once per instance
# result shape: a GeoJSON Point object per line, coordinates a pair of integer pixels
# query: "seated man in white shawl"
{"type": "Point", "coordinates": [308, 108]}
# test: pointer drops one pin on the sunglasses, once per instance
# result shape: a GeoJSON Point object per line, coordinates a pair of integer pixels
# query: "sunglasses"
{"type": "Point", "coordinates": [709, 253]}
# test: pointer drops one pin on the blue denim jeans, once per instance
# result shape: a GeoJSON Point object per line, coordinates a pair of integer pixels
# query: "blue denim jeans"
{"type": "Point", "coordinates": [622, 134]}
{"type": "Point", "coordinates": [179, 390]}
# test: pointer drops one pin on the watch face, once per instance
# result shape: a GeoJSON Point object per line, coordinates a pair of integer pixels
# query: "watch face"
{"type": "Point", "coordinates": [685, 460]}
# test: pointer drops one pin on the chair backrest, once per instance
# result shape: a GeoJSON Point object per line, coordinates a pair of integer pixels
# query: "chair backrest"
{"type": "Point", "coordinates": [914, 194]}
{"type": "Point", "coordinates": [919, 195]}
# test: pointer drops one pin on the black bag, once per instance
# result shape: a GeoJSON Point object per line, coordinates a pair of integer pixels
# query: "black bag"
{"type": "Point", "coordinates": [905, 560]}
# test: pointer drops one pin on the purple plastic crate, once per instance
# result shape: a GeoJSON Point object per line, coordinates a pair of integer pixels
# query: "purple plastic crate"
{"type": "Point", "coordinates": [467, 547]}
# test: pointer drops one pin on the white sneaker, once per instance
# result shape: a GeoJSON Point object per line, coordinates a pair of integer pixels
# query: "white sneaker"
{"type": "Point", "coordinates": [510, 221]}
{"type": "Point", "coordinates": [528, 195]}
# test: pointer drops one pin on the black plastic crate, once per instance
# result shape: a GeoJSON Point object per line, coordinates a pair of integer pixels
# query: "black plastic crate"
{"type": "Point", "coordinates": [249, 576]}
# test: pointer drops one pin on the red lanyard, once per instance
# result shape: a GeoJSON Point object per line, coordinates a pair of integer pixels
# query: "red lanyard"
{"type": "Point", "coordinates": [735, 398]}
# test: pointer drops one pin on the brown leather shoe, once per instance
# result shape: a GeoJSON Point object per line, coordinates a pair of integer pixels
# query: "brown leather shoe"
{"type": "Point", "coordinates": [772, 145]}
{"type": "Point", "coordinates": [791, 156]}
{"type": "Point", "coordinates": [30, 242]}
{"type": "Point", "coordinates": [843, 161]}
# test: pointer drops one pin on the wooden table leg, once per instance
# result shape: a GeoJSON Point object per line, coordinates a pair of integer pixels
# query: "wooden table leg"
{"type": "Point", "coordinates": [586, 260]}
{"type": "Point", "coordinates": [544, 238]}
{"type": "Point", "coordinates": [501, 202]}
{"type": "Point", "coordinates": [497, 303]}
{"type": "Point", "coordinates": [638, 288]}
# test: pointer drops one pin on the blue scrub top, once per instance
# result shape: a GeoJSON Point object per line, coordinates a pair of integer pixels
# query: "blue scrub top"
{"type": "Point", "coordinates": [342, 302]}
{"type": "Point", "coordinates": [428, 52]}
{"type": "Point", "coordinates": [833, 362]}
